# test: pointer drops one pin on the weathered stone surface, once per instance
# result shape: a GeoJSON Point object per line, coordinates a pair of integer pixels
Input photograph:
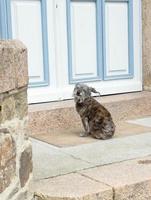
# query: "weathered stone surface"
{"type": "Point", "coordinates": [25, 165]}
{"type": "Point", "coordinates": [146, 15]}
{"type": "Point", "coordinates": [72, 186]}
{"type": "Point", "coordinates": [131, 180]}
{"type": "Point", "coordinates": [7, 160]}
{"type": "Point", "coordinates": [1, 180]}
{"type": "Point", "coordinates": [22, 68]}
{"type": "Point", "coordinates": [14, 105]}
{"type": "Point", "coordinates": [21, 195]}
{"type": "Point", "coordinates": [9, 173]}
{"type": "Point", "coordinates": [4, 130]}
{"type": "Point", "coordinates": [21, 109]}
{"type": "Point", "coordinates": [11, 191]}
{"type": "Point", "coordinates": [15, 164]}
{"type": "Point", "coordinates": [50, 162]}
{"type": "Point", "coordinates": [8, 149]}
{"type": "Point", "coordinates": [7, 68]}
{"type": "Point", "coordinates": [45, 118]}
{"type": "Point", "coordinates": [137, 191]}
{"type": "Point", "coordinates": [24, 195]}
{"type": "Point", "coordinates": [59, 161]}
{"type": "Point", "coordinates": [7, 109]}
{"type": "Point", "coordinates": [13, 65]}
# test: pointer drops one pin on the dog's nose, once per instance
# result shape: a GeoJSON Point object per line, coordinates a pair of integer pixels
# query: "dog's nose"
{"type": "Point", "coordinates": [78, 93]}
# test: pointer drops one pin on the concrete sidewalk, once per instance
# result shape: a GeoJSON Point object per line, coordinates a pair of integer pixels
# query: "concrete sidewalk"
{"type": "Point", "coordinates": [128, 180]}
{"type": "Point", "coordinates": [100, 168]}
{"type": "Point", "coordinates": [50, 161]}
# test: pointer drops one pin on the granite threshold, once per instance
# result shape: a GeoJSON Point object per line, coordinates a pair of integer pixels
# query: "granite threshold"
{"type": "Point", "coordinates": [49, 117]}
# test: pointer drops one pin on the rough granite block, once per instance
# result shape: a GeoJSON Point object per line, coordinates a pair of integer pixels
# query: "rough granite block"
{"type": "Point", "coordinates": [146, 23]}
{"type": "Point", "coordinates": [14, 106]}
{"type": "Point", "coordinates": [7, 160]}
{"type": "Point", "coordinates": [25, 165]}
{"type": "Point", "coordinates": [13, 65]}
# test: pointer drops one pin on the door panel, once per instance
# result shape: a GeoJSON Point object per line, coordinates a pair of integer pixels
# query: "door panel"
{"type": "Point", "coordinates": [118, 39]}
{"type": "Point", "coordinates": [27, 25]}
{"type": "Point", "coordinates": [116, 23]}
{"type": "Point", "coordinates": [83, 27]}
{"type": "Point", "coordinates": [84, 36]}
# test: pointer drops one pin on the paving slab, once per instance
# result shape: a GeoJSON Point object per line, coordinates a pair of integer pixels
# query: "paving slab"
{"type": "Point", "coordinates": [72, 186]}
{"type": "Point", "coordinates": [49, 161]}
{"type": "Point", "coordinates": [143, 121]}
{"type": "Point", "coordinates": [64, 137]}
{"type": "Point", "coordinates": [113, 150]}
{"type": "Point", "coordinates": [131, 180]}
{"type": "Point", "coordinates": [71, 136]}
{"type": "Point", "coordinates": [128, 180]}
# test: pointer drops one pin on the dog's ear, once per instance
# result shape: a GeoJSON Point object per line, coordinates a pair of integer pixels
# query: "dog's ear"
{"type": "Point", "coordinates": [94, 90]}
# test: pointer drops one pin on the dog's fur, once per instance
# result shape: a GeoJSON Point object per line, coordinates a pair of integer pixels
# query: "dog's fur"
{"type": "Point", "coordinates": [96, 119]}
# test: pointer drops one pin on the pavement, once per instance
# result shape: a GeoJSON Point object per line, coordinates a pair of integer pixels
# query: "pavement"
{"type": "Point", "coordinates": [128, 180]}
{"type": "Point", "coordinates": [110, 168]}
{"type": "Point", "coordinates": [70, 137]}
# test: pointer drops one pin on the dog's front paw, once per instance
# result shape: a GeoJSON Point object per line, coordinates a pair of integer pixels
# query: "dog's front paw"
{"type": "Point", "coordinates": [83, 134]}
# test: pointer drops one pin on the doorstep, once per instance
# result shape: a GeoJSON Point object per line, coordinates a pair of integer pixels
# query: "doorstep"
{"type": "Point", "coordinates": [57, 123]}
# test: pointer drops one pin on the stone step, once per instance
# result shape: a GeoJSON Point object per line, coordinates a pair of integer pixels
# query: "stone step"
{"type": "Point", "coordinates": [115, 169]}
{"type": "Point", "coordinates": [49, 117]}
{"type": "Point", "coordinates": [127, 180]}
{"type": "Point", "coordinates": [50, 161]}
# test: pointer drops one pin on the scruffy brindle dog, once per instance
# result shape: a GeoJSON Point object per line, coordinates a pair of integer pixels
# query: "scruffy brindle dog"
{"type": "Point", "coordinates": [96, 119]}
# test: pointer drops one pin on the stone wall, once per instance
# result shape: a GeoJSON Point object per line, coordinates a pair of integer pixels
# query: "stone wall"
{"type": "Point", "coordinates": [146, 23]}
{"type": "Point", "coordinates": [15, 147]}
